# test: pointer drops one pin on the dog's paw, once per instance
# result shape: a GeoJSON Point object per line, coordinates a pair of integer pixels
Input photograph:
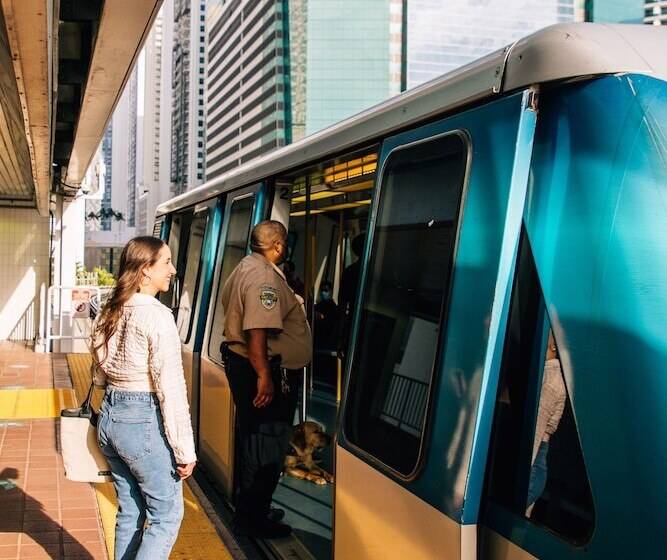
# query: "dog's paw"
{"type": "Point", "coordinates": [319, 480]}
{"type": "Point", "coordinates": [328, 477]}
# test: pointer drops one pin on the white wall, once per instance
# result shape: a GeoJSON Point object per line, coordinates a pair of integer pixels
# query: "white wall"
{"type": "Point", "coordinates": [68, 251]}
{"type": "Point", "coordinates": [24, 268]}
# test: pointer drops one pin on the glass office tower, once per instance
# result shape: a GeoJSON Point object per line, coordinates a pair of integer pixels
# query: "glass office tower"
{"type": "Point", "coordinates": [615, 11]}
{"type": "Point", "coordinates": [442, 36]}
{"type": "Point", "coordinates": [353, 57]}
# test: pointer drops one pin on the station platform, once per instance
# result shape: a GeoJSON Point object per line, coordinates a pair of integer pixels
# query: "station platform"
{"type": "Point", "coordinates": [43, 514]}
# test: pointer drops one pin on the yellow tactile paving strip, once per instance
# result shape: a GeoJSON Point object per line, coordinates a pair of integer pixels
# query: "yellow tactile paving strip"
{"type": "Point", "coordinates": [79, 369]}
{"type": "Point", "coordinates": [197, 539]}
{"type": "Point", "coordinates": [35, 403]}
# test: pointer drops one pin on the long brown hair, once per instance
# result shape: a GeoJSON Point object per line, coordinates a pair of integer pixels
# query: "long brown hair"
{"type": "Point", "coordinates": [139, 253]}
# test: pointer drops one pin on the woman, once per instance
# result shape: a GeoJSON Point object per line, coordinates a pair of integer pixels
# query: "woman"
{"type": "Point", "coordinates": [552, 404]}
{"type": "Point", "coordinates": [144, 425]}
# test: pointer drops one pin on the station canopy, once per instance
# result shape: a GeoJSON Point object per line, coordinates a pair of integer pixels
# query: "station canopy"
{"type": "Point", "coordinates": [63, 67]}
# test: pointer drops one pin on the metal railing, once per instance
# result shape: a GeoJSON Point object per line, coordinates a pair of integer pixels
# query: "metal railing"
{"type": "Point", "coordinates": [405, 403]}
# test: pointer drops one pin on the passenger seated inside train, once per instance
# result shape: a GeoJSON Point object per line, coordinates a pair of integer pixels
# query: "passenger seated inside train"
{"type": "Point", "coordinates": [537, 470]}
{"type": "Point", "coordinates": [549, 414]}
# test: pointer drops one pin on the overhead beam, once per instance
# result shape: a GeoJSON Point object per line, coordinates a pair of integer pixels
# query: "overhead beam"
{"type": "Point", "coordinates": [30, 25]}
{"type": "Point", "coordinates": [124, 26]}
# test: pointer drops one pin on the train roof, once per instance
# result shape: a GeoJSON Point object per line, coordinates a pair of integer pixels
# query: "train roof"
{"type": "Point", "coordinates": [560, 52]}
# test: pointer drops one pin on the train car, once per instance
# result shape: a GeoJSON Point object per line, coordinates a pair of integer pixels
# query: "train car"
{"type": "Point", "coordinates": [492, 363]}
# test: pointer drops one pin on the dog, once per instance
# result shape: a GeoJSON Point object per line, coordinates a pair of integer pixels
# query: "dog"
{"type": "Point", "coordinates": [307, 438]}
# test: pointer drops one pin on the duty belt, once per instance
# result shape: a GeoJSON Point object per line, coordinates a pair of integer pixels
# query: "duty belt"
{"type": "Point", "coordinates": [274, 363]}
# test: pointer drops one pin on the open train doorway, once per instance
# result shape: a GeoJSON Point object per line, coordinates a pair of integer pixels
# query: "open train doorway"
{"type": "Point", "coordinates": [326, 209]}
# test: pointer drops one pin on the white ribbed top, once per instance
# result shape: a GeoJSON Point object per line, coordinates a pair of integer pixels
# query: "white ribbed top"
{"type": "Point", "coordinates": [552, 403]}
{"type": "Point", "coordinates": [144, 354]}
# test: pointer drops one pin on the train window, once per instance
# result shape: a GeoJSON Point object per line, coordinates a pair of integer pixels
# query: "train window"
{"type": "Point", "coordinates": [188, 297]}
{"type": "Point", "coordinates": [536, 467]}
{"type": "Point", "coordinates": [157, 227]}
{"type": "Point", "coordinates": [236, 247]}
{"type": "Point", "coordinates": [404, 301]}
{"type": "Point", "coordinates": [178, 245]}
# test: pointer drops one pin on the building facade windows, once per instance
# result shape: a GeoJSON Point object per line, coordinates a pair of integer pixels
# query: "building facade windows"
{"type": "Point", "coordinates": [655, 12]}
{"type": "Point", "coordinates": [442, 36]}
{"type": "Point", "coordinates": [243, 69]}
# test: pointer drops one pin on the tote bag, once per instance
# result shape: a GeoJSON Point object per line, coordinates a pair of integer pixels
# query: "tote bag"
{"type": "Point", "coordinates": [82, 457]}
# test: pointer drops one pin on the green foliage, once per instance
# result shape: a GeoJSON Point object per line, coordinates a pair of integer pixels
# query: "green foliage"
{"type": "Point", "coordinates": [104, 277]}
{"type": "Point", "coordinates": [98, 277]}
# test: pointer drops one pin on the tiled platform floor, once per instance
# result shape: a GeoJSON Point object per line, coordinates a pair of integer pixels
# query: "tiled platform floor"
{"type": "Point", "coordinates": [21, 368]}
{"type": "Point", "coordinates": [43, 514]}
{"type": "Point", "coordinates": [197, 538]}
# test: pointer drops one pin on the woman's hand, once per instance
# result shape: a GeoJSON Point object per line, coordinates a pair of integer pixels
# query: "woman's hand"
{"type": "Point", "coordinates": [185, 470]}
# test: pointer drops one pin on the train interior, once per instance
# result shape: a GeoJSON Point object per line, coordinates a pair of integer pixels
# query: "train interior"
{"type": "Point", "coordinates": [328, 216]}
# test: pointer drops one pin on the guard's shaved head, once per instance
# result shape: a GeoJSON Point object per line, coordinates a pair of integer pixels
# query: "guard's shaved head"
{"type": "Point", "coordinates": [265, 234]}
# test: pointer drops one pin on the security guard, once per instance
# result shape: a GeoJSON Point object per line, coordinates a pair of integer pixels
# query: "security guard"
{"type": "Point", "coordinates": [267, 344]}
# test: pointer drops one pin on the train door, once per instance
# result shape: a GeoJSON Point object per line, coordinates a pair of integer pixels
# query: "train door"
{"type": "Point", "coordinates": [325, 208]}
{"type": "Point", "coordinates": [425, 345]}
{"type": "Point", "coordinates": [242, 209]}
{"type": "Point", "coordinates": [202, 238]}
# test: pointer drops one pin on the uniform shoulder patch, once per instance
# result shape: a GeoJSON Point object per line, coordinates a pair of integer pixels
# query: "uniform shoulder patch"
{"type": "Point", "coordinates": [268, 296]}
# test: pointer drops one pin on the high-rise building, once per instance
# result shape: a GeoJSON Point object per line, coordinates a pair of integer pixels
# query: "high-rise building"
{"type": "Point", "coordinates": [655, 12]}
{"type": "Point", "coordinates": [103, 245]}
{"type": "Point", "coordinates": [614, 11]}
{"type": "Point", "coordinates": [156, 124]}
{"type": "Point", "coordinates": [442, 36]}
{"type": "Point", "coordinates": [107, 147]}
{"type": "Point", "coordinates": [278, 70]}
{"type": "Point", "coordinates": [353, 57]}
{"type": "Point", "coordinates": [298, 51]}
{"type": "Point", "coordinates": [132, 151]}
{"type": "Point", "coordinates": [248, 101]}
{"type": "Point", "coordinates": [188, 94]}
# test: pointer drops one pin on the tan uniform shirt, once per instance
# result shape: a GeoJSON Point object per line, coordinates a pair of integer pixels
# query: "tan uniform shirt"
{"type": "Point", "coordinates": [256, 296]}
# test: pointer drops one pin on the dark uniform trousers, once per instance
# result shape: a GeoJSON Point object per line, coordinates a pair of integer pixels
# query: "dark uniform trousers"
{"type": "Point", "coordinates": [262, 434]}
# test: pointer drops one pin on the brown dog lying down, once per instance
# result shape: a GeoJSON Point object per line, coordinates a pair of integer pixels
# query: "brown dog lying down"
{"type": "Point", "coordinates": [307, 438]}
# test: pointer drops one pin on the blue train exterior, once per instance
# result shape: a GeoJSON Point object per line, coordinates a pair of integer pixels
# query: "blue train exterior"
{"type": "Point", "coordinates": [560, 225]}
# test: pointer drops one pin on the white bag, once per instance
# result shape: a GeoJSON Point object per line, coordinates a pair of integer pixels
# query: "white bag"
{"type": "Point", "coordinates": [82, 457]}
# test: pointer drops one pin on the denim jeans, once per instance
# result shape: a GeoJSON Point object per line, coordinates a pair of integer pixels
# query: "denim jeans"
{"type": "Point", "coordinates": [130, 432]}
{"type": "Point", "coordinates": [538, 474]}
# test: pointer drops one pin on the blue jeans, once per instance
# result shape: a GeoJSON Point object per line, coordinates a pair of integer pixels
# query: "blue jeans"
{"type": "Point", "coordinates": [130, 433]}
{"type": "Point", "coordinates": [538, 474]}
